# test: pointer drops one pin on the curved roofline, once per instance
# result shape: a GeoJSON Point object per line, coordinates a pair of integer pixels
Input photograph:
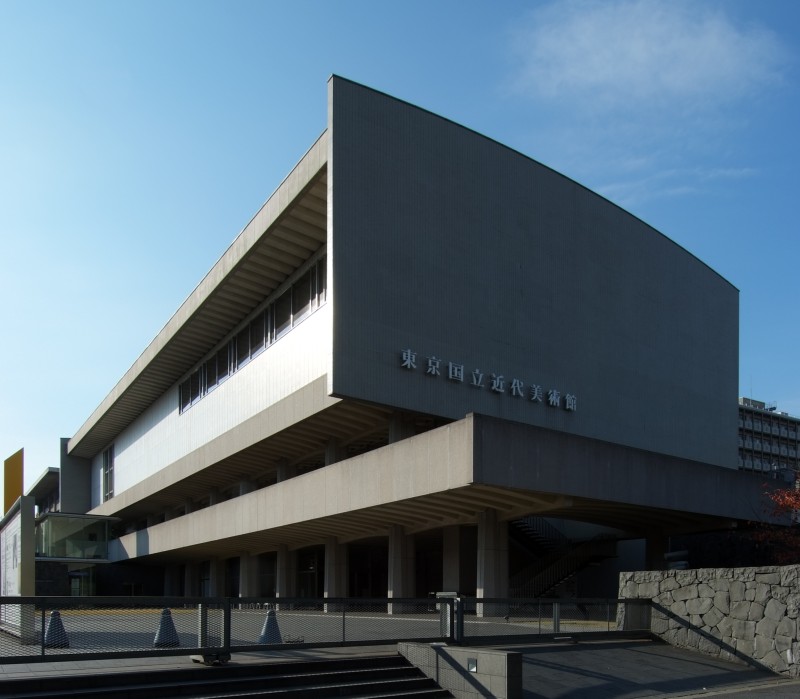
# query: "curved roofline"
{"type": "Point", "coordinates": [528, 157]}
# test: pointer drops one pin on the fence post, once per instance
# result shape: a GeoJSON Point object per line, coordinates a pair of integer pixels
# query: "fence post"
{"type": "Point", "coordinates": [226, 625]}
{"type": "Point", "coordinates": [202, 625]}
{"type": "Point", "coordinates": [540, 616]}
{"type": "Point", "coordinates": [458, 620]}
{"type": "Point", "coordinates": [556, 616]}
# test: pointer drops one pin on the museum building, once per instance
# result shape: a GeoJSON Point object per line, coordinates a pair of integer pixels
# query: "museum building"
{"type": "Point", "coordinates": [427, 363]}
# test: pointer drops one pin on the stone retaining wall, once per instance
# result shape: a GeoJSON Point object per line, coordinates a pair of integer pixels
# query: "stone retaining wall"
{"type": "Point", "coordinates": [742, 614]}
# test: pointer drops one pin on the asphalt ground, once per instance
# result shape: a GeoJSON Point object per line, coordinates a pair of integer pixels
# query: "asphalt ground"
{"type": "Point", "coordinates": [587, 670]}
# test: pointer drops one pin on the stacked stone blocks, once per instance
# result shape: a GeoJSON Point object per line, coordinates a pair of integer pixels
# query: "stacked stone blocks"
{"type": "Point", "coordinates": [741, 614]}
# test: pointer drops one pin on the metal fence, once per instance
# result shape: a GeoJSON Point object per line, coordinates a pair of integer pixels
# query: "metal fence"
{"type": "Point", "coordinates": [62, 628]}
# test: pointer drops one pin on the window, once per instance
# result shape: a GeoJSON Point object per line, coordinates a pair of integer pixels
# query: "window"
{"type": "Point", "coordinates": [243, 347]}
{"type": "Point", "coordinates": [108, 473]}
{"type": "Point", "coordinates": [282, 312]}
{"type": "Point", "coordinates": [257, 334]}
{"type": "Point", "coordinates": [303, 297]}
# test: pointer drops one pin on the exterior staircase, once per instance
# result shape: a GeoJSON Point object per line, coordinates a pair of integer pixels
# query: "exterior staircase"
{"type": "Point", "coordinates": [364, 677]}
{"type": "Point", "coordinates": [558, 559]}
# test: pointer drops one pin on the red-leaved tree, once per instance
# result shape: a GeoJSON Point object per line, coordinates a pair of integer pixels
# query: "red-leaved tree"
{"type": "Point", "coordinates": [783, 505]}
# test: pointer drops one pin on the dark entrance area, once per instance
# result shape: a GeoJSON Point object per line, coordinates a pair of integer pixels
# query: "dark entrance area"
{"type": "Point", "coordinates": [369, 565]}
{"type": "Point", "coordinates": [311, 571]}
{"type": "Point", "coordinates": [428, 563]}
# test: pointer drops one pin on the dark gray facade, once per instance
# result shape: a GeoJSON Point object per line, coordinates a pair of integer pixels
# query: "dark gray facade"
{"type": "Point", "coordinates": [448, 244]}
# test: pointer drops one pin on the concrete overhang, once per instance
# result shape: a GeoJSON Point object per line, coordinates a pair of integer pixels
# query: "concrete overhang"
{"type": "Point", "coordinates": [46, 484]}
{"type": "Point", "coordinates": [451, 474]}
{"type": "Point", "coordinates": [288, 229]}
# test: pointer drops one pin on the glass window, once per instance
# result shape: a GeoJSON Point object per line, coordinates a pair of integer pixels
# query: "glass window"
{"type": "Point", "coordinates": [194, 386]}
{"type": "Point", "coordinates": [301, 299]}
{"type": "Point", "coordinates": [282, 311]}
{"type": "Point", "coordinates": [322, 281]}
{"type": "Point", "coordinates": [301, 296]}
{"type": "Point", "coordinates": [185, 397]}
{"type": "Point", "coordinates": [211, 372]}
{"type": "Point", "coordinates": [243, 347]}
{"type": "Point", "coordinates": [257, 336]}
{"type": "Point", "coordinates": [223, 363]}
{"type": "Point", "coordinates": [108, 473]}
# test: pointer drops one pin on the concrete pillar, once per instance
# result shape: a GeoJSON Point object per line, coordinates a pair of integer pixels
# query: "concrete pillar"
{"type": "Point", "coordinates": [401, 565]}
{"type": "Point", "coordinates": [246, 487]}
{"type": "Point", "coordinates": [188, 506]}
{"type": "Point", "coordinates": [285, 572]}
{"type": "Point", "coordinates": [214, 497]}
{"type": "Point", "coordinates": [451, 559]}
{"type": "Point", "coordinates": [492, 578]}
{"type": "Point", "coordinates": [217, 582]}
{"type": "Point", "coordinates": [248, 576]}
{"type": "Point", "coordinates": [335, 571]}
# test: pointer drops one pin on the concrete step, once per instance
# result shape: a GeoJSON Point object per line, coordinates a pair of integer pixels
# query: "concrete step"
{"type": "Point", "coordinates": [381, 676]}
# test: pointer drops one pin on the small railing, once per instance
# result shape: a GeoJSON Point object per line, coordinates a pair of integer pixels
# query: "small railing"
{"type": "Point", "coordinates": [542, 576]}
{"type": "Point", "coordinates": [73, 628]}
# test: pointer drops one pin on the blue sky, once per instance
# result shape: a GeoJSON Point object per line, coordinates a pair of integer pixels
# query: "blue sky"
{"type": "Point", "coordinates": [137, 139]}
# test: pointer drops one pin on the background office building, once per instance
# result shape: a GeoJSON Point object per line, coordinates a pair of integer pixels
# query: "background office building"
{"type": "Point", "coordinates": [427, 363]}
{"type": "Point", "coordinates": [769, 440]}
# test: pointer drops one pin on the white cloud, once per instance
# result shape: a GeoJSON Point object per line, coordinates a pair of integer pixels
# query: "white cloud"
{"type": "Point", "coordinates": [646, 98]}
{"type": "Point", "coordinates": [643, 54]}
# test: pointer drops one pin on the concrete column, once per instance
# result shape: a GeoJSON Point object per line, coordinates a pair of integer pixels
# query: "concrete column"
{"type": "Point", "coordinates": [451, 559]}
{"type": "Point", "coordinates": [285, 572]}
{"type": "Point", "coordinates": [214, 497]}
{"type": "Point", "coordinates": [492, 578]}
{"type": "Point", "coordinates": [248, 576]}
{"type": "Point", "coordinates": [246, 487]}
{"type": "Point", "coordinates": [189, 506]}
{"type": "Point", "coordinates": [217, 581]}
{"type": "Point", "coordinates": [335, 571]}
{"type": "Point", "coordinates": [401, 565]}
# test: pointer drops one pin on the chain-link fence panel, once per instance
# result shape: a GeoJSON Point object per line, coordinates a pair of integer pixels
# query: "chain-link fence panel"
{"type": "Point", "coordinates": [69, 626]}
{"type": "Point", "coordinates": [284, 621]}
{"type": "Point", "coordinates": [504, 620]}
{"type": "Point", "coordinates": [37, 628]}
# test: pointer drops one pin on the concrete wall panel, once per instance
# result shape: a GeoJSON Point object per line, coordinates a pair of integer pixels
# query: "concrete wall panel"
{"type": "Point", "coordinates": [446, 243]}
